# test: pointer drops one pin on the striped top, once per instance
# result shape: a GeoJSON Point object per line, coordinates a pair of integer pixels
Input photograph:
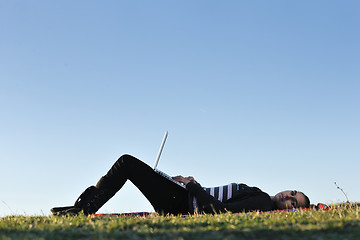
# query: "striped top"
{"type": "Point", "coordinates": [221, 193]}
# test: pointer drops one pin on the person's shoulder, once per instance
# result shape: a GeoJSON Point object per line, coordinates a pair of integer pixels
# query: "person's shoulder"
{"type": "Point", "coordinates": [265, 200]}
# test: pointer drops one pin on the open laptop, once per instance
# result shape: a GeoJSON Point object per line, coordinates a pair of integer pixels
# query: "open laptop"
{"type": "Point", "coordinates": [157, 161]}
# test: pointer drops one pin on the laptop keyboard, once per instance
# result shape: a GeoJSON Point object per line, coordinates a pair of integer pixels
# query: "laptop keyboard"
{"type": "Point", "coordinates": [169, 178]}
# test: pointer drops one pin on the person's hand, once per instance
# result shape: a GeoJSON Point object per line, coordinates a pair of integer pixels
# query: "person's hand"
{"type": "Point", "coordinates": [191, 179]}
{"type": "Point", "coordinates": [184, 180]}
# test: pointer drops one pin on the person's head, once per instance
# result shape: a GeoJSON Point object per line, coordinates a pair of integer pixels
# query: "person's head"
{"type": "Point", "coordinates": [291, 199]}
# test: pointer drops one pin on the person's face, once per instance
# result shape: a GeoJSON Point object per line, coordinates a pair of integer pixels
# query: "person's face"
{"type": "Point", "coordinates": [290, 199]}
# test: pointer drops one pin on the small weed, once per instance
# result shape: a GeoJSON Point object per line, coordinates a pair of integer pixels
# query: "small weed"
{"type": "Point", "coordinates": [347, 200]}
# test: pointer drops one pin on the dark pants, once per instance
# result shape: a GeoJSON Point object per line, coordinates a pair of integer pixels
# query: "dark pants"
{"type": "Point", "coordinates": [164, 195]}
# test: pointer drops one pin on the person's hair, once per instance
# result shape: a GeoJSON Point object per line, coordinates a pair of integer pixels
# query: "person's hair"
{"type": "Point", "coordinates": [307, 201]}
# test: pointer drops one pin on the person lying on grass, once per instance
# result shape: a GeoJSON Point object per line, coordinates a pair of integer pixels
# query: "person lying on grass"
{"type": "Point", "coordinates": [168, 197]}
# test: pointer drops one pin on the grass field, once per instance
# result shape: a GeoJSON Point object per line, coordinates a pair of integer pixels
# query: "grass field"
{"type": "Point", "coordinates": [341, 221]}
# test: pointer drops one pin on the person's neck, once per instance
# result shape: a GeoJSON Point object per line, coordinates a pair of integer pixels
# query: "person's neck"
{"type": "Point", "coordinates": [273, 202]}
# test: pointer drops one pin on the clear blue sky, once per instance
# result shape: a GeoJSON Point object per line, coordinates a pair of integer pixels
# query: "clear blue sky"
{"type": "Point", "coordinates": [260, 92]}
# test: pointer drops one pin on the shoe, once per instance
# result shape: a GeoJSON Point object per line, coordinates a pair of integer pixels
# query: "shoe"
{"type": "Point", "coordinates": [92, 199]}
{"type": "Point", "coordinates": [89, 202]}
{"type": "Point", "coordinates": [69, 210]}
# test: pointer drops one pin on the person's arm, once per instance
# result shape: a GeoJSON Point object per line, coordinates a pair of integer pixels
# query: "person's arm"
{"type": "Point", "coordinates": [210, 204]}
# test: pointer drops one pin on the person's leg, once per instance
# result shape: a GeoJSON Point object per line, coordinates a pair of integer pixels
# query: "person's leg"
{"type": "Point", "coordinates": [164, 195]}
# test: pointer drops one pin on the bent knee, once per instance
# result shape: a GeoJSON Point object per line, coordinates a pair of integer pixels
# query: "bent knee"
{"type": "Point", "coordinates": [129, 162]}
{"type": "Point", "coordinates": [126, 158]}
